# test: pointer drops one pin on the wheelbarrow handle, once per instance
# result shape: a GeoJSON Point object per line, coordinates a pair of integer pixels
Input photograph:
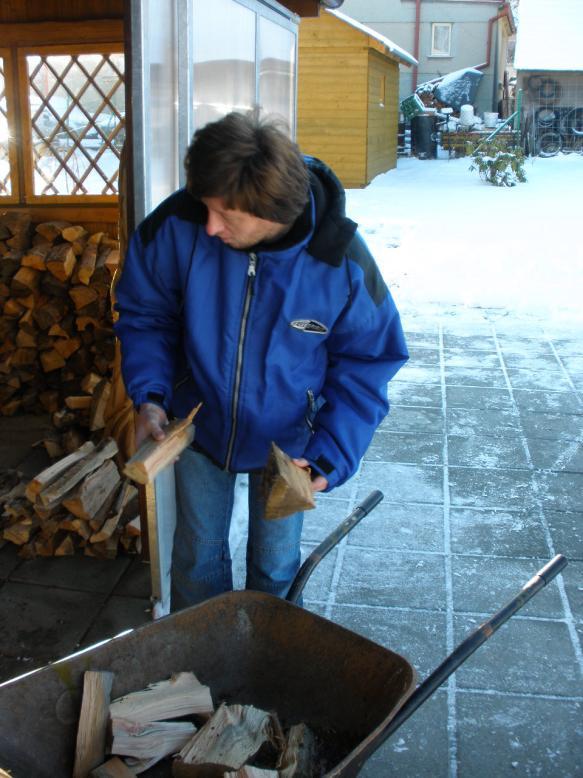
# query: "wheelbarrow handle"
{"type": "Point", "coordinates": [349, 523]}
{"type": "Point", "coordinates": [467, 647]}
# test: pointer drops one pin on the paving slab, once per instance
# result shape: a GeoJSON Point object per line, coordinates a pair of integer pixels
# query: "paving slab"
{"type": "Point", "coordinates": [510, 736]}
{"type": "Point", "coordinates": [412, 448]}
{"type": "Point", "coordinates": [566, 531]}
{"type": "Point", "coordinates": [489, 488]}
{"type": "Point", "coordinates": [488, 360]}
{"type": "Point", "coordinates": [324, 519]}
{"type": "Point", "coordinates": [424, 356]}
{"type": "Point", "coordinates": [402, 483]}
{"type": "Point", "coordinates": [471, 421]}
{"type": "Point", "coordinates": [482, 451]}
{"type": "Point", "coordinates": [547, 402]}
{"type": "Point", "coordinates": [556, 454]}
{"type": "Point", "coordinates": [423, 338]}
{"type": "Point", "coordinates": [573, 578]}
{"type": "Point", "coordinates": [406, 393]}
{"type": "Point", "coordinates": [526, 361]}
{"type": "Point", "coordinates": [537, 380]}
{"type": "Point", "coordinates": [405, 526]}
{"type": "Point", "coordinates": [135, 581]}
{"type": "Point", "coordinates": [407, 419]}
{"type": "Point", "coordinates": [474, 376]}
{"type": "Point", "coordinates": [498, 532]}
{"type": "Point", "coordinates": [9, 560]}
{"type": "Point", "coordinates": [84, 574]}
{"type": "Point", "coordinates": [469, 342]}
{"type": "Point", "coordinates": [418, 374]}
{"type": "Point", "coordinates": [118, 615]}
{"type": "Point", "coordinates": [561, 491]}
{"type": "Point", "coordinates": [477, 397]}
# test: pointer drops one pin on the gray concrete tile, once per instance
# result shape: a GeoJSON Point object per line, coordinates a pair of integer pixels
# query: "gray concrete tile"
{"type": "Point", "coordinates": [561, 491]}
{"type": "Point", "coordinates": [547, 362]}
{"type": "Point", "coordinates": [470, 421]}
{"type": "Point", "coordinates": [485, 584]}
{"type": "Point", "coordinates": [402, 483]}
{"type": "Point", "coordinates": [547, 402]}
{"type": "Point", "coordinates": [414, 448]}
{"type": "Point", "coordinates": [42, 622]}
{"type": "Point", "coordinates": [568, 346]}
{"type": "Point", "coordinates": [573, 364]}
{"type": "Point", "coordinates": [552, 426]}
{"type": "Point", "coordinates": [556, 454]}
{"type": "Point", "coordinates": [406, 419]}
{"type": "Point", "coordinates": [476, 397]}
{"type": "Point", "coordinates": [501, 533]}
{"type": "Point", "coordinates": [423, 356]}
{"type": "Point", "coordinates": [9, 559]}
{"type": "Point", "coordinates": [485, 488]}
{"type": "Point", "coordinates": [391, 578]}
{"type": "Point", "coordinates": [531, 656]}
{"type": "Point", "coordinates": [409, 527]}
{"type": "Point", "coordinates": [419, 636]}
{"type": "Point", "coordinates": [488, 360]}
{"type": "Point", "coordinates": [423, 339]}
{"type": "Point", "coordinates": [505, 450]}
{"type": "Point", "coordinates": [531, 347]}
{"type": "Point", "coordinates": [536, 380]}
{"type": "Point", "coordinates": [405, 393]}
{"type": "Point", "coordinates": [135, 581]}
{"type": "Point", "coordinates": [418, 749]}
{"type": "Point", "coordinates": [508, 737]}
{"type": "Point", "coordinates": [474, 376]}
{"type": "Point", "coordinates": [471, 342]}
{"type": "Point", "coordinates": [320, 582]}
{"type": "Point", "coordinates": [118, 615]}
{"type": "Point", "coordinates": [577, 381]}
{"type": "Point", "coordinates": [324, 519]}
{"type": "Point", "coordinates": [74, 572]}
{"type": "Point", "coordinates": [567, 533]}
{"type": "Point", "coordinates": [418, 374]}
{"type": "Point", "coordinates": [573, 578]}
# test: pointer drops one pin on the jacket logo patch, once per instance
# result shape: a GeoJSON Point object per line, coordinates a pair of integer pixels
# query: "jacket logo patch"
{"type": "Point", "coordinates": [309, 325]}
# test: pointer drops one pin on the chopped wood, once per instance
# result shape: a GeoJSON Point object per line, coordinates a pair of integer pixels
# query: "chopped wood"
{"type": "Point", "coordinates": [53, 448]}
{"type": "Point", "coordinates": [105, 550]}
{"type": "Point", "coordinates": [93, 719]}
{"type": "Point", "coordinates": [80, 402]}
{"type": "Point", "coordinates": [74, 233]}
{"type": "Point", "coordinates": [57, 331]}
{"type": "Point", "coordinates": [61, 261]}
{"type": "Point", "coordinates": [85, 465]}
{"type": "Point", "coordinates": [154, 455]}
{"type": "Point", "coordinates": [25, 339]}
{"type": "Point", "coordinates": [113, 768]}
{"type": "Point", "coordinates": [72, 439]}
{"type": "Point", "coordinates": [90, 381]}
{"type": "Point", "coordinates": [98, 406]}
{"type": "Point", "coordinates": [83, 296]}
{"type": "Point", "coordinates": [106, 529]}
{"type": "Point", "coordinates": [230, 737]}
{"type": "Point", "coordinates": [51, 360]}
{"type": "Point", "coordinates": [36, 257]}
{"type": "Point", "coordinates": [50, 474]}
{"type": "Point", "coordinates": [13, 309]}
{"type": "Point", "coordinates": [87, 263]}
{"type": "Point", "coordinates": [78, 526]}
{"type": "Point", "coordinates": [19, 226]}
{"type": "Point", "coordinates": [287, 486]}
{"type": "Point", "coordinates": [297, 758]}
{"type": "Point", "coordinates": [24, 356]}
{"type": "Point", "coordinates": [149, 740]}
{"type": "Point", "coordinates": [181, 695]}
{"type": "Point", "coordinates": [49, 313]}
{"type": "Point", "coordinates": [25, 281]}
{"type": "Point", "coordinates": [50, 231]}
{"type": "Point", "coordinates": [66, 547]}
{"type": "Point", "coordinates": [87, 498]}
{"type": "Point", "coordinates": [96, 238]}
{"type": "Point", "coordinates": [248, 771]}
{"type": "Point", "coordinates": [21, 532]}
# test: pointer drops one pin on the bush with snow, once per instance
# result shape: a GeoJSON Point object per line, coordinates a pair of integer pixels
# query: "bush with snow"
{"type": "Point", "coordinates": [496, 163]}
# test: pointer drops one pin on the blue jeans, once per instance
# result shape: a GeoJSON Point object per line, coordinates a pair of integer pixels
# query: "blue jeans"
{"type": "Point", "coordinates": [201, 558]}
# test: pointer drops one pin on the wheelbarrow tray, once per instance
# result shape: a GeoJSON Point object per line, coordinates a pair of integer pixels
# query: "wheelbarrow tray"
{"type": "Point", "coordinates": [249, 648]}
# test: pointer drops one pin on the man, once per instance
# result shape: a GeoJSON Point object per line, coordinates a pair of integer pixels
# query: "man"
{"type": "Point", "coordinates": [252, 292]}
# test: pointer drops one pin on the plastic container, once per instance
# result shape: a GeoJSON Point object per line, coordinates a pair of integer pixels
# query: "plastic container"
{"type": "Point", "coordinates": [423, 141]}
{"type": "Point", "coordinates": [467, 117]}
{"type": "Point", "coordinates": [490, 119]}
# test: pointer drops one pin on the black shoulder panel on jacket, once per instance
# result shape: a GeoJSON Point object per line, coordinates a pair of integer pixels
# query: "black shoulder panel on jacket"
{"type": "Point", "coordinates": [179, 204]}
{"type": "Point", "coordinates": [358, 252]}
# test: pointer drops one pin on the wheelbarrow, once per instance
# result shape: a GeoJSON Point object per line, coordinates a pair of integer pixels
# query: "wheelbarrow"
{"type": "Point", "coordinates": [249, 648]}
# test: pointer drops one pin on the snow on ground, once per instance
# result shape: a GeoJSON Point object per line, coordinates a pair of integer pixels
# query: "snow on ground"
{"type": "Point", "coordinates": [442, 235]}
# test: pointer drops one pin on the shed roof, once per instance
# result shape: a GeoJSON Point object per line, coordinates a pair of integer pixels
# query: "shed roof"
{"type": "Point", "coordinates": [396, 51]}
{"type": "Point", "coordinates": [549, 35]}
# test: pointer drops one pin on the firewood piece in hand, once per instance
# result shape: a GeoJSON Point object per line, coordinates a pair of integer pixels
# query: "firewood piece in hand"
{"type": "Point", "coordinates": [286, 486]}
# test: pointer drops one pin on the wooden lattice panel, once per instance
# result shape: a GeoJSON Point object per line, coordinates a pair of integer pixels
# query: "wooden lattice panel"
{"type": "Point", "coordinates": [77, 122]}
{"type": "Point", "coordinates": [5, 178]}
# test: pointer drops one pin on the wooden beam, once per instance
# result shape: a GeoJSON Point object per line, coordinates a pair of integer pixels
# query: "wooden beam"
{"type": "Point", "coordinates": [31, 34]}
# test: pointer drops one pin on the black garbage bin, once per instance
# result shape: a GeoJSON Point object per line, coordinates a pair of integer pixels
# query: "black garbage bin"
{"type": "Point", "coordinates": [423, 138]}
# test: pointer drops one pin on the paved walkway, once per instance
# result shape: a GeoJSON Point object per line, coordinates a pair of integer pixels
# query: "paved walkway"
{"type": "Point", "coordinates": [481, 464]}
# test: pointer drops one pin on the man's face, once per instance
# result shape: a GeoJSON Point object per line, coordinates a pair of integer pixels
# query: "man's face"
{"type": "Point", "coordinates": [236, 228]}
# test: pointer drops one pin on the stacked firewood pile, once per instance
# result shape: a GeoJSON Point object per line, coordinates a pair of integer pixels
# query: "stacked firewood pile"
{"type": "Point", "coordinates": [57, 343]}
{"type": "Point", "coordinates": [231, 741]}
{"type": "Point", "coordinates": [80, 504]}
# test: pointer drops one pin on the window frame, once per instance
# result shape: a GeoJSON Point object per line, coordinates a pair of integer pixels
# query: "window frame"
{"type": "Point", "coordinates": [11, 114]}
{"type": "Point", "coordinates": [437, 52]}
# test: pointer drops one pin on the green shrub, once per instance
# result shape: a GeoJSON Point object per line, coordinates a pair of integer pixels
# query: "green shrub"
{"type": "Point", "coordinates": [496, 163]}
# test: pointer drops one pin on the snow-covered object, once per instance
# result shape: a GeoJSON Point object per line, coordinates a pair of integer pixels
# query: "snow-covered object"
{"type": "Point", "coordinates": [467, 117]}
{"type": "Point", "coordinates": [549, 35]}
{"type": "Point", "coordinates": [458, 88]}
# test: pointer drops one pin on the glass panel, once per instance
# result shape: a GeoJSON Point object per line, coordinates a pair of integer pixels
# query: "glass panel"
{"type": "Point", "coordinates": [77, 107]}
{"type": "Point", "coordinates": [5, 181]}
{"type": "Point", "coordinates": [441, 38]}
{"type": "Point", "coordinates": [224, 59]}
{"type": "Point", "coordinates": [276, 70]}
{"type": "Point", "coordinates": [161, 116]}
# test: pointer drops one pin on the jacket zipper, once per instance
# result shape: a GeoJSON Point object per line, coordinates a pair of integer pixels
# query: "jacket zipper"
{"type": "Point", "coordinates": [251, 273]}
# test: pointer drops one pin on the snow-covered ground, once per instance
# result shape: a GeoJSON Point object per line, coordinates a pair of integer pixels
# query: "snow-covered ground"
{"type": "Point", "coordinates": [442, 235]}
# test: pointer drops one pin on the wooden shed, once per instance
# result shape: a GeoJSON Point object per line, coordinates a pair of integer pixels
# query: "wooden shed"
{"type": "Point", "coordinates": [348, 96]}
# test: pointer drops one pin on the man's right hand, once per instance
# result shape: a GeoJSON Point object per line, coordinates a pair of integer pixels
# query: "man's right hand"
{"type": "Point", "coordinates": [151, 420]}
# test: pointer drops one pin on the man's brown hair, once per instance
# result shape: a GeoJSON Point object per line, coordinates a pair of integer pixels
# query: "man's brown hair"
{"type": "Point", "coordinates": [251, 164]}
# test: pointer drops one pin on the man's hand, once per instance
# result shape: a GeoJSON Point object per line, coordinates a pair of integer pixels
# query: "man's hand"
{"type": "Point", "coordinates": [319, 483]}
{"type": "Point", "coordinates": [151, 420]}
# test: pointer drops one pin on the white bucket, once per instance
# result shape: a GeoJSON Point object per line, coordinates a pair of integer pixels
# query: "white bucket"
{"type": "Point", "coordinates": [490, 119]}
{"type": "Point", "coordinates": [467, 117]}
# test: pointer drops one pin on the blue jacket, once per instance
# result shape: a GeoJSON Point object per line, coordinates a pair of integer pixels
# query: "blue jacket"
{"type": "Point", "coordinates": [292, 343]}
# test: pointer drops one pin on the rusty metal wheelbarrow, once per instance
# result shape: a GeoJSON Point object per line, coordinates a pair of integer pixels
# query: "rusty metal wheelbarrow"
{"type": "Point", "coordinates": [250, 648]}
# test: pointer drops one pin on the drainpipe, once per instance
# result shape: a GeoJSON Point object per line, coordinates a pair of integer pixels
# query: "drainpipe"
{"type": "Point", "coordinates": [504, 12]}
{"type": "Point", "coordinates": [416, 43]}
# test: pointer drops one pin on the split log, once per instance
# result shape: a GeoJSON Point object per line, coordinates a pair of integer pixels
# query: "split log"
{"type": "Point", "coordinates": [105, 529]}
{"type": "Point", "coordinates": [19, 227]}
{"type": "Point", "coordinates": [149, 740]}
{"type": "Point", "coordinates": [71, 477]}
{"type": "Point", "coordinates": [93, 720]}
{"type": "Point", "coordinates": [50, 474]}
{"type": "Point", "coordinates": [90, 381]}
{"type": "Point", "coordinates": [286, 486]}
{"type": "Point", "coordinates": [66, 347]}
{"type": "Point", "coordinates": [73, 233]}
{"type": "Point", "coordinates": [85, 501]}
{"type": "Point", "coordinates": [181, 695]}
{"type": "Point", "coordinates": [113, 768]}
{"type": "Point", "coordinates": [25, 281]}
{"type": "Point", "coordinates": [51, 360]}
{"type": "Point", "coordinates": [21, 532]}
{"type": "Point", "coordinates": [61, 261]}
{"type": "Point", "coordinates": [50, 231]}
{"type": "Point", "coordinates": [248, 771]}
{"type": "Point", "coordinates": [153, 455]}
{"type": "Point", "coordinates": [66, 547]}
{"type": "Point", "coordinates": [230, 737]}
{"type": "Point", "coordinates": [72, 439]}
{"type": "Point", "coordinates": [82, 402]}
{"type": "Point", "coordinates": [98, 406]}
{"type": "Point", "coordinates": [87, 263]}
{"type": "Point", "coordinates": [298, 757]}
{"type": "Point", "coordinates": [36, 257]}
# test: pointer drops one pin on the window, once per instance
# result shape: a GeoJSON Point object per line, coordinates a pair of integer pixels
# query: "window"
{"type": "Point", "coordinates": [71, 104]}
{"type": "Point", "coordinates": [441, 39]}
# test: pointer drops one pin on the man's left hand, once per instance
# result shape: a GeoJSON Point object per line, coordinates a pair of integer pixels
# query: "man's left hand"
{"type": "Point", "coordinates": [319, 483]}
